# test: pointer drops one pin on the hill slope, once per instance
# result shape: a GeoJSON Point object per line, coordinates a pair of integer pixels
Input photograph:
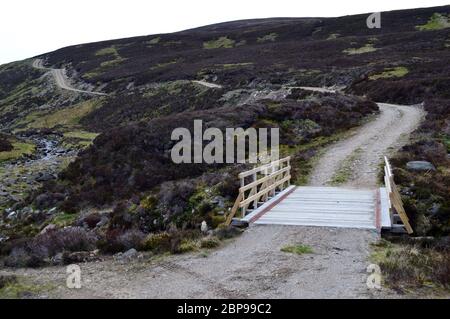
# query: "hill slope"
{"type": "Point", "coordinates": [120, 142]}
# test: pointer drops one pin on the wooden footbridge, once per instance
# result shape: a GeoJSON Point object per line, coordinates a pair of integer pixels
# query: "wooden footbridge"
{"type": "Point", "coordinates": [266, 197]}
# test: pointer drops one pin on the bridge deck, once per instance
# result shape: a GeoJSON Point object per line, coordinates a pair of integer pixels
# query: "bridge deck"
{"type": "Point", "coordinates": [322, 206]}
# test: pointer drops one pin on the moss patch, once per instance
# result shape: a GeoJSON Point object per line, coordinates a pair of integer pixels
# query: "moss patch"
{"type": "Point", "coordinates": [19, 149]}
{"type": "Point", "coordinates": [397, 72]}
{"type": "Point", "coordinates": [67, 117]}
{"type": "Point", "coordinates": [271, 37]}
{"type": "Point", "coordinates": [297, 249]}
{"type": "Point", "coordinates": [345, 171]}
{"type": "Point", "coordinates": [365, 49]}
{"type": "Point", "coordinates": [436, 22]}
{"type": "Point", "coordinates": [21, 288]}
{"type": "Point", "coordinates": [222, 42]}
{"type": "Point", "coordinates": [63, 219]}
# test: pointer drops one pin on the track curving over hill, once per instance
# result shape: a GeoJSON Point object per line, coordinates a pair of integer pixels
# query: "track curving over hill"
{"type": "Point", "coordinates": [61, 79]}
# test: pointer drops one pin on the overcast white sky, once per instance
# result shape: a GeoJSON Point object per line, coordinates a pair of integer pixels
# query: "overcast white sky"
{"type": "Point", "coordinates": [31, 27]}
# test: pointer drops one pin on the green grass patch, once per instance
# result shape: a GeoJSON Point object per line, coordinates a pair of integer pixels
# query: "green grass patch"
{"type": "Point", "coordinates": [297, 249]}
{"type": "Point", "coordinates": [345, 171]}
{"type": "Point", "coordinates": [107, 51]}
{"type": "Point", "coordinates": [79, 138]}
{"type": "Point", "coordinates": [406, 266]}
{"type": "Point", "coordinates": [163, 65]}
{"type": "Point", "coordinates": [19, 149]}
{"type": "Point", "coordinates": [222, 42]}
{"type": "Point", "coordinates": [154, 41]}
{"type": "Point", "coordinates": [82, 135]}
{"type": "Point", "coordinates": [436, 22]}
{"type": "Point", "coordinates": [397, 72]}
{"type": "Point", "coordinates": [64, 219]}
{"type": "Point", "coordinates": [20, 288]}
{"type": "Point", "coordinates": [235, 65]}
{"type": "Point", "coordinates": [67, 117]}
{"type": "Point", "coordinates": [365, 49]}
{"type": "Point", "coordinates": [333, 36]}
{"type": "Point", "coordinates": [271, 37]}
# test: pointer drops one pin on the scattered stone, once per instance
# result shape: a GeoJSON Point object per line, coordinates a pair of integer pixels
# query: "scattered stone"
{"type": "Point", "coordinates": [57, 259]}
{"type": "Point", "coordinates": [80, 256]}
{"type": "Point", "coordinates": [239, 223]}
{"type": "Point", "coordinates": [48, 228]}
{"type": "Point", "coordinates": [128, 255]}
{"type": "Point", "coordinates": [44, 177]}
{"type": "Point", "coordinates": [420, 166]}
{"type": "Point", "coordinates": [204, 227]}
{"type": "Point", "coordinates": [219, 201]}
{"type": "Point", "coordinates": [11, 215]}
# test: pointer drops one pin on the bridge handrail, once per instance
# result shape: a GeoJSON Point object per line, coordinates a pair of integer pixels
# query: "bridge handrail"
{"type": "Point", "coordinates": [394, 197]}
{"type": "Point", "coordinates": [265, 180]}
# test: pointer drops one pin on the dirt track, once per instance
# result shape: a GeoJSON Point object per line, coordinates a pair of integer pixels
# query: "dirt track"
{"type": "Point", "coordinates": [61, 79]}
{"type": "Point", "coordinates": [364, 150]}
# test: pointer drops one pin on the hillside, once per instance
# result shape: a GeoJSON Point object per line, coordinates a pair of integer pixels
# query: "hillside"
{"type": "Point", "coordinates": [102, 162]}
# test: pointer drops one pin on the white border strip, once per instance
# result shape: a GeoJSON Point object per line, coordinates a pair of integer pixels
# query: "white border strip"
{"type": "Point", "coordinates": [266, 204]}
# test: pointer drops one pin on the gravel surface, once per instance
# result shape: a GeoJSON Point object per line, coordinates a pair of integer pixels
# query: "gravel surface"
{"type": "Point", "coordinates": [250, 266]}
{"type": "Point", "coordinates": [380, 137]}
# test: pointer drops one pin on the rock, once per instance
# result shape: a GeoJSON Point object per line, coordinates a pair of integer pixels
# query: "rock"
{"type": "Point", "coordinates": [41, 200]}
{"type": "Point", "coordinates": [239, 223]}
{"type": "Point", "coordinates": [48, 228]}
{"type": "Point", "coordinates": [219, 201]}
{"type": "Point", "coordinates": [420, 166]}
{"type": "Point", "coordinates": [80, 256]}
{"type": "Point", "coordinates": [204, 227]}
{"type": "Point", "coordinates": [103, 221]}
{"type": "Point", "coordinates": [128, 255]}
{"type": "Point", "coordinates": [44, 177]}
{"type": "Point", "coordinates": [57, 259]}
{"type": "Point", "coordinates": [435, 208]}
{"type": "Point", "coordinates": [11, 215]}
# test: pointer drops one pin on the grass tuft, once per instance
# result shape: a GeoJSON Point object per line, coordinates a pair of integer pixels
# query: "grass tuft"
{"type": "Point", "coordinates": [297, 249]}
{"type": "Point", "coordinates": [397, 72]}
{"type": "Point", "coordinates": [222, 42]}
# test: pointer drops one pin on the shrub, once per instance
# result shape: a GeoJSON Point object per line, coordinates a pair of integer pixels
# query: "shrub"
{"type": "Point", "coordinates": [37, 251]}
{"type": "Point", "coordinates": [209, 242]}
{"type": "Point", "coordinates": [5, 145]}
{"type": "Point", "coordinates": [117, 240]}
{"type": "Point", "coordinates": [227, 232]}
{"type": "Point", "coordinates": [158, 242]}
{"type": "Point", "coordinates": [185, 246]}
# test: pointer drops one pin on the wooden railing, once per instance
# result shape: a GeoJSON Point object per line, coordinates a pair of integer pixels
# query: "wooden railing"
{"type": "Point", "coordinates": [259, 184]}
{"type": "Point", "coordinates": [395, 200]}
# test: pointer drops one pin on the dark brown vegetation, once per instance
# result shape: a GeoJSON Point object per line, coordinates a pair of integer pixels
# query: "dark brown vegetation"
{"type": "Point", "coordinates": [5, 144]}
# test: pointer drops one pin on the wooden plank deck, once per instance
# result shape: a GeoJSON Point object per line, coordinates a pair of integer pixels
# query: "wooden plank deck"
{"type": "Point", "coordinates": [324, 206]}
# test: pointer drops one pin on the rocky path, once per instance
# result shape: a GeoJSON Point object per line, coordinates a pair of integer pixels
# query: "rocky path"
{"type": "Point", "coordinates": [358, 157]}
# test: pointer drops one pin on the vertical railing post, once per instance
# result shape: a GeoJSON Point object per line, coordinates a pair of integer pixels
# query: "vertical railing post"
{"type": "Point", "coordinates": [243, 196]}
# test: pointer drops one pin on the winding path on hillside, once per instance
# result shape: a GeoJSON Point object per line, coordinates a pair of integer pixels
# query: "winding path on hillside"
{"type": "Point", "coordinates": [61, 79]}
{"type": "Point", "coordinates": [360, 155]}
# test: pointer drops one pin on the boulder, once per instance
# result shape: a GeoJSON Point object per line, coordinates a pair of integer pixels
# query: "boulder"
{"type": "Point", "coordinates": [48, 228]}
{"type": "Point", "coordinates": [44, 177]}
{"type": "Point", "coordinates": [420, 166]}
{"type": "Point", "coordinates": [239, 223]}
